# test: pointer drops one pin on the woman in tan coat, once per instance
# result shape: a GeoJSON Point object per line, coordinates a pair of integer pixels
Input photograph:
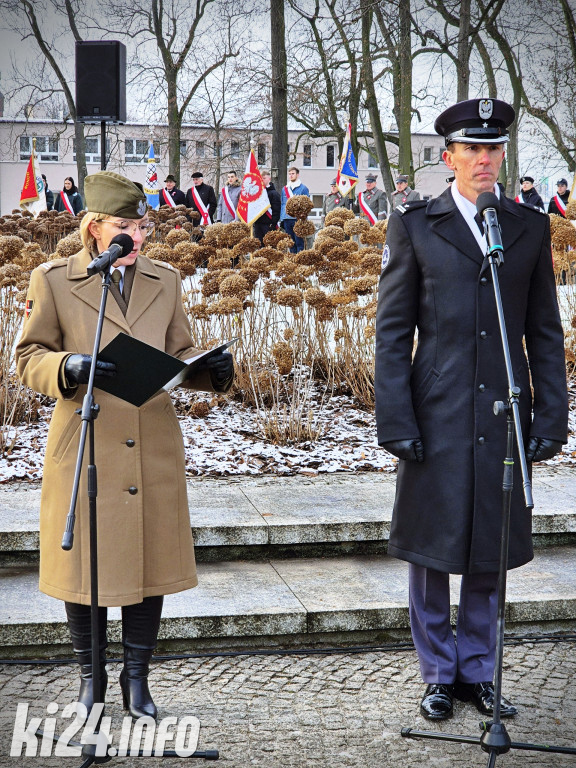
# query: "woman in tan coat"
{"type": "Point", "coordinates": [144, 540]}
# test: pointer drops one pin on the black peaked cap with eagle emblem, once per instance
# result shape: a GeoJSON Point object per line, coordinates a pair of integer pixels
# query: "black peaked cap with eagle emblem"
{"type": "Point", "coordinates": [476, 121]}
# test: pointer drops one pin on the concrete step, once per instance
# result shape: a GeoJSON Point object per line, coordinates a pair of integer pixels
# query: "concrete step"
{"type": "Point", "coordinates": [286, 603]}
{"type": "Point", "coordinates": [240, 518]}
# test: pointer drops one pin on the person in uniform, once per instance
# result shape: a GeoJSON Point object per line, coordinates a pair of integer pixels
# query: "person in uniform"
{"type": "Point", "coordinates": [528, 194]}
{"type": "Point", "coordinates": [434, 408]}
{"type": "Point", "coordinates": [269, 219]}
{"type": "Point", "coordinates": [207, 204]}
{"type": "Point", "coordinates": [171, 195]}
{"type": "Point", "coordinates": [372, 202]}
{"type": "Point", "coordinates": [403, 194]}
{"type": "Point", "coordinates": [559, 202]}
{"type": "Point", "coordinates": [144, 541]}
{"type": "Point", "coordinates": [334, 200]}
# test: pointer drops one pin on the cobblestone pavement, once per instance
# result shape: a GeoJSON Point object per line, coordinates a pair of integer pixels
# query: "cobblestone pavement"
{"type": "Point", "coordinates": [331, 711]}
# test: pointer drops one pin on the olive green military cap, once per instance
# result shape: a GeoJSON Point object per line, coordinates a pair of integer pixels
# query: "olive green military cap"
{"type": "Point", "coordinates": [112, 194]}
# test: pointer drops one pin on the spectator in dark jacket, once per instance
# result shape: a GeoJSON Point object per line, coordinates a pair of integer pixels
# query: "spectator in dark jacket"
{"type": "Point", "coordinates": [49, 195]}
{"type": "Point", "coordinates": [529, 195]}
{"type": "Point", "coordinates": [69, 199]}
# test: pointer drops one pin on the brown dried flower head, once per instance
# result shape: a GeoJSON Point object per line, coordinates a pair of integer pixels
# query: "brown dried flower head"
{"type": "Point", "coordinates": [69, 245]}
{"type": "Point", "coordinates": [356, 226]}
{"type": "Point", "coordinates": [283, 357]}
{"type": "Point", "coordinates": [176, 236]}
{"type": "Point", "coordinates": [10, 247]}
{"type": "Point", "coordinates": [338, 213]}
{"type": "Point", "coordinates": [304, 228]}
{"type": "Point", "coordinates": [299, 206]}
{"type": "Point", "coordinates": [229, 305]}
{"type": "Point", "coordinates": [235, 285]}
{"type": "Point", "coordinates": [199, 409]}
{"type": "Point", "coordinates": [315, 297]}
{"type": "Point", "coordinates": [289, 297]}
{"type": "Point", "coordinates": [271, 288]}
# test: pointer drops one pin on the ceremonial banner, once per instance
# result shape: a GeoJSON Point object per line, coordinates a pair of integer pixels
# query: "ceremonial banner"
{"type": "Point", "coordinates": [151, 184]}
{"type": "Point", "coordinates": [253, 200]}
{"type": "Point", "coordinates": [33, 195]}
{"type": "Point", "coordinates": [347, 176]}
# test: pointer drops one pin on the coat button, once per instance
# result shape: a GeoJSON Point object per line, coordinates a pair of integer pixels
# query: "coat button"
{"type": "Point", "coordinates": [483, 334]}
{"type": "Point", "coordinates": [481, 387]}
{"type": "Point", "coordinates": [483, 280]}
{"type": "Point", "coordinates": [481, 441]}
{"type": "Point", "coordinates": [130, 443]}
{"type": "Point", "coordinates": [132, 490]}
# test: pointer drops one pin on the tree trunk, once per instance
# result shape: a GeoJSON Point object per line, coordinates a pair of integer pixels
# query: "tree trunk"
{"type": "Point", "coordinates": [279, 94]}
{"type": "Point", "coordinates": [463, 66]}
{"type": "Point", "coordinates": [403, 86]}
{"type": "Point", "coordinates": [174, 126]}
{"type": "Point", "coordinates": [371, 101]}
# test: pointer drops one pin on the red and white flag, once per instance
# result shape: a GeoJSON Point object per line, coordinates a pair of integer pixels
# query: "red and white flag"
{"type": "Point", "coordinates": [33, 195]}
{"type": "Point", "coordinates": [253, 200]}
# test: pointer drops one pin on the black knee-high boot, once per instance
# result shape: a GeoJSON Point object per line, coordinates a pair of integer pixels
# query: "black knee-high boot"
{"type": "Point", "coordinates": [81, 632]}
{"type": "Point", "coordinates": [140, 624]}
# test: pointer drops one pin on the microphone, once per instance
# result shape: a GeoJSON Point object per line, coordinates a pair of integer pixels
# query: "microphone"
{"type": "Point", "coordinates": [488, 207]}
{"type": "Point", "coordinates": [120, 246]}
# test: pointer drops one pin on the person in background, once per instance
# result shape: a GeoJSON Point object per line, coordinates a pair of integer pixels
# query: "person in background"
{"type": "Point", "coordinates": [49, 195]}
{"type": "Point", "coordinates": [372, 202]}
{"type": "Point", "coordinates": [294, 187]}
{"type": "Point", "coordinates": [145, 546]}
{"type": "Point", "coordinates": [334, 199]}
{"type": "Point", "coordinates": [202, 198]}
{"type": "Point", "coordinates": [228, 200]}
{"type": "Point", "coordinates": [559, 202]}
{"type": "Point", "coordinates": [403, 193]}
{"type": "Point", "coordinates": [269, 220]}
{"type": "Point", "coordinates": [69, 199]}
{"type": "Point", "coordinates": [171, 195]}
{"type": "Point", "coordinates": [528, 194]}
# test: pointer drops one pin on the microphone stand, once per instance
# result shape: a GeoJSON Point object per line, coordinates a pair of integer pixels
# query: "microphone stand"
{"type": "Point", "coordinates": [494, 738]}
{"type": "Point", "coordinates": [88, 414]}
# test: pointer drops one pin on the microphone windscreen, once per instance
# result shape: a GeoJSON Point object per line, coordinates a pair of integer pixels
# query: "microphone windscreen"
{"type": "Point", "coordinates": [487, 200]}
{"type": "Point", "coordinates": [125, 242]}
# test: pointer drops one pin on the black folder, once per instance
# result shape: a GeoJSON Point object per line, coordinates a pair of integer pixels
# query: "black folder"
{"type": "Point", "coordinates": [143, 370]}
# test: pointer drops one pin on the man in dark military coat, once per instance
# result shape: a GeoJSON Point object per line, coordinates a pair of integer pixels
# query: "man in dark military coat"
{"type": "Point", "coordinates": [434, 408]}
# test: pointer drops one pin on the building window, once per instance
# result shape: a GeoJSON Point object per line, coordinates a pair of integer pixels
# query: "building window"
{"type": "Point", "coordinates": [46, 148]}
{"type": "Point", "coordinates": [440, 153]}
{"type": "Point", "coordinates": [200, 148]}
{"type": "Point", "coordinates": [183, 149]}
{"type": "Point", "coordinates": [372, 159]}
{"type": "Point", "coordinates": [92, 149]}
{"type": "Point", "coordinates": [307, 161]}
{"type": "Point", "coordinates": [136, 150]}
{"type": "Point", "coordinates": [217, 149]}
{"type": "Point", "coordinates": [261, 154]}
{"type": "Point", "coordinates": [235, 150]}
{"type": "Point", "coordinates": [330, 156]}
{"type": "Point", "coordinates": [428, 154]}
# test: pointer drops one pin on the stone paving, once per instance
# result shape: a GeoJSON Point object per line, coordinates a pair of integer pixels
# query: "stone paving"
{"type": "Point", "coordinates": [339, 710]}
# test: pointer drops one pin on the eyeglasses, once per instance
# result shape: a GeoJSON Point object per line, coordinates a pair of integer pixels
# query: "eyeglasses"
{"type": "Point", "coordinates": [145, 227]}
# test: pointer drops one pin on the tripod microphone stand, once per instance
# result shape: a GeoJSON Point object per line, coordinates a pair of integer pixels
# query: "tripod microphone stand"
{"type": "Point", "coordinates": [494, 738]}
{"type": "Point", "coordinates": [92, 753]}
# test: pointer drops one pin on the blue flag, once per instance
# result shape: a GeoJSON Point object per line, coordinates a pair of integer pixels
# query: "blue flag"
{"type": "Point", "coordinates": [151, 184]}
{"type": "Point", "coordinates": [347, 176]}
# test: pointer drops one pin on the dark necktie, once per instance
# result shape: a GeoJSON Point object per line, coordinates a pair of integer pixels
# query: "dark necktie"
{"type": "Point", "coordinates": [478, 221]}
{"type": "Point", "coordinates": [116, 278]}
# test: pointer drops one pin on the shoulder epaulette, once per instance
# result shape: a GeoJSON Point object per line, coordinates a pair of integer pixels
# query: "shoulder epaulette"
{"type": "Point", "coordinates": [531, 207]}
{"type": "Point", "coordinates": [164, 264]}
{"type": "Point", "coordinates": [48, 265]}
{"type": "Point", "coordinates": [402, 209]}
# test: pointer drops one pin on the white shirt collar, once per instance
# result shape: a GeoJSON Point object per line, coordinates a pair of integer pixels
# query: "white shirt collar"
{"type": "Point", "coordinates": [468, 211]}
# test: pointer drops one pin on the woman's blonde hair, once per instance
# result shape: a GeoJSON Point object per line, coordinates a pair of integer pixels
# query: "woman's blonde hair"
{"type": "Point", "coordinates": [88, 239]}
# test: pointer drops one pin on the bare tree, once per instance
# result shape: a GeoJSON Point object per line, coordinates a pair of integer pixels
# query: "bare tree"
{"type": "Point", "coordinates": [23, 16]}
{"type": "Point", "coordinates": [279, 93]}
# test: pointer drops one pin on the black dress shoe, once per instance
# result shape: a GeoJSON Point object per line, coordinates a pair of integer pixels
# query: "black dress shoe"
{"type": "Point", "coordinates": [436, 703]}
{"type": "Point", "coordinates": [482, 694]}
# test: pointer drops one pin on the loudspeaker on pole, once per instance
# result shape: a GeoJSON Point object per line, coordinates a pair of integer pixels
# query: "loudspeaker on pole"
{"type": "Point", "coordinates": [100, 81]}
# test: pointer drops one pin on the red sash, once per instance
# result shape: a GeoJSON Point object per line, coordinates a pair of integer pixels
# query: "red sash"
{"type": "Point", "coordinates": [517, 199]}
{"type": "Point", "coordinates": [366, 210]}
{"type": "Point", "coordinates": [228, 201]}
{"type": "Point", "coordinates": [201, 207]}
{"type": "Point", "coordinates": [288, 191]}
{"type": "Point", "coordinates": [167, 197]}
{"type": "Point", "coordinates": [560, 204]}
{"type": "Point", "coordinates": [67, 204]}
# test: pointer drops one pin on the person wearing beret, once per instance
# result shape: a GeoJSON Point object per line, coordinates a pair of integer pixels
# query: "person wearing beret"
{"type": "Point", "coordinates": [559, 202]}
{"type": "Point", "coordinates": [145, 545]}
{"type": "Point", "coordinates": [528, 194]}
{"type": "Point", "coordinates": [171, 195]}
{"type": "Point", "coordinates": [334, 200]}
{"type": "Point", "coordinates": [434, 405]}
{"type": "Point", "coordinates": [372, 203]}
{"type": "Point", "coordinates": [202, 198]}
{"type": "Point", "coordinates": [403, 193]}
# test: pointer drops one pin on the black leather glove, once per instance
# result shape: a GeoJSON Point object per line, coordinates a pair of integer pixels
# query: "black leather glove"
{"type": "Point", "coordinates": [408, 450]}
{"type": "Point", "coordinates": [77, 369]}
{"type": "Point", "coordinates": [540, 448]}
{"type": "Point", "coordinates": [221, 367]}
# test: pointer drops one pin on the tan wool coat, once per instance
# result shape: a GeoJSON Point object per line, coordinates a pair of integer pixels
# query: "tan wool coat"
{"type": "Point", "coordinates": [145, 544]}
